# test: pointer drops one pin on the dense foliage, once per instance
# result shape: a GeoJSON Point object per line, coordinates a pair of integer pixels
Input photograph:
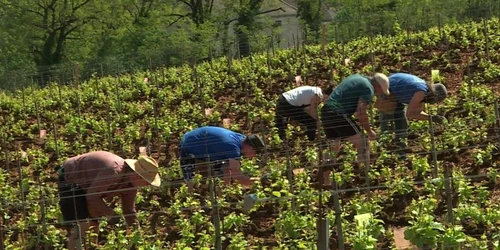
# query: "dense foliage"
{"type": "Point", "coordinates": [42, 40]}
{"type": "Point", "coordinates": [125, 112]}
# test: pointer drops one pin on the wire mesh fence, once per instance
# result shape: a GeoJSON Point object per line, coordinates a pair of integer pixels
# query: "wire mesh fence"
{"type": "Point", "coordinates": [82, 111]}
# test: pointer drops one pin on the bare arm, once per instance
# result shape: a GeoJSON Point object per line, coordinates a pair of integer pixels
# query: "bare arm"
{"type": "Point", "coordinates": [313, 108]}
{"type": "Point", "coordinates": [95, 203]}
{"type": "Point", "coordinates": [362, 115]}
{"type": "Point", "coordinates": [234, 170]}
{"type": "Point", "coordinates": [416, 107]}
{"type": "Point", "coordinates": [128, 206]}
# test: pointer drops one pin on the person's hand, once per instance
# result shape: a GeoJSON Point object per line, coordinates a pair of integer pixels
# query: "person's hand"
{"type": "Point", "coordinates": [438, 119]}
{"type": "Point", "coordinates": [371, 134]}
{"type": "Point", "coordinates": [265, 180]}
{"type": "Point", "coordinates": [246, 182]}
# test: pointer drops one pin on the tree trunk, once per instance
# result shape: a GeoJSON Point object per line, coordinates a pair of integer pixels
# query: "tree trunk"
{"type": "Point", "coordinates": [243, 43]}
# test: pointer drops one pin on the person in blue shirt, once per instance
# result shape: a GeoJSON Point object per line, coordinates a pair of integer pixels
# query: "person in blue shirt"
{"type": "Point", "coordinates": [221, 147]}
{"type": "Point", "coordinates": [412, 92]}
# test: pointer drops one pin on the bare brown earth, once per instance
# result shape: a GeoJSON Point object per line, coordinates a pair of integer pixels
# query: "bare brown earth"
{"type": "Point", "coordinates": [394, 214]}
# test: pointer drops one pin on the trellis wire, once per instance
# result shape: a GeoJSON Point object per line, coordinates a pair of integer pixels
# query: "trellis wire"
{"type": "Point", "coordinates": [55, 137]}
{"type": "Point", "coordinates": [108, 121]}
{"type": "Point", "coordinates": [118, 99]}
{"type": "Point", "coordinates": [214, 205]}
{"type": "Point", "coordinates": [448, 176]}
{"type": "Point", "coordinates": [56, 144]}
{"type": "Point", "coordinates": [434, 150]}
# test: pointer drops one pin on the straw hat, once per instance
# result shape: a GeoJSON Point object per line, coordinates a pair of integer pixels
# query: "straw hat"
{"type": "Point", "coordinates": [147, 168]}
{"type": "Point", "coordinates": [383, 82]}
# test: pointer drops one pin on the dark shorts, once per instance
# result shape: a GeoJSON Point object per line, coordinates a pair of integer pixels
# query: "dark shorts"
{"type": "Point", "coordinates": [286, 112]}
{"type": "Point", "coordinates": [337, 126]}
{"type": "Point", "coordinates": [190, 165]}
{"type": "Point", "coordinates": [72, 200]}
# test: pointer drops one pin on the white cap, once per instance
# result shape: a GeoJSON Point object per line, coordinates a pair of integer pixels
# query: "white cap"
{"type": "Point", "coordinates": [383, 82]}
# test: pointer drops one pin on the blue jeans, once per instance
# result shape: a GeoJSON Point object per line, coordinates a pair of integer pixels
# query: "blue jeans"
{"type": "Point", "coordinates": [188, 165]}
{"type": "Point", "coordinates": [400, 126]}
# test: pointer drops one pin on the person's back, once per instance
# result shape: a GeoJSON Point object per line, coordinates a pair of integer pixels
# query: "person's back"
{"type": "Point", "coordinates": [404, 86]}
{"type": "Point", "coordinates": [301, 96]}
{"type": "Point", "coordinates": [85, 180]}
{"type": "Point", "coordinates": [83, 169]}
{"type": "Point", "coordinates": [217, 142]}
{"type": "Point", "coordinates": [344, 98]}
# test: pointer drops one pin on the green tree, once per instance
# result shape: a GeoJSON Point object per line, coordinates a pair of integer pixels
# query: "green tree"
{"type": "Point", "coordinates": [310, 13]}
{"type": "Point", "coordinates": [247, 25]}
{"type": "Point", "coordinates": [51, 25]}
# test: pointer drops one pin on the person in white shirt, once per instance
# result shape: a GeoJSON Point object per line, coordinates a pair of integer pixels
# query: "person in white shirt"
{"type": "Point", "coordinates": [300, 105]}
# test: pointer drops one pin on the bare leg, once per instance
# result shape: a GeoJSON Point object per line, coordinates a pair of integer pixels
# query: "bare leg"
{"type": "Point", "coordinates": [74, 237]}
{"type": "Point", "coordinates": [363, 150]}
{"type": "Point", "coordinates": [334, 148]}
{"type": "Point", "coordinates": [190, 185]}
{"type": "Point", "coordinates": [326, 177]}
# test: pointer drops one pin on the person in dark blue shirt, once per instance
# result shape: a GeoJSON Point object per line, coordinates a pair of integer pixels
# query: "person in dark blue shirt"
{"type": "Point", "coordinates": [221, 147]}
{"type": "Point", "coordinates": [411, 91]}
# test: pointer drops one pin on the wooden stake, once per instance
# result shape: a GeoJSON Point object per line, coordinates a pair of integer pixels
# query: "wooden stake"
{"type": "Point", "coordinates": [226, 122]}
{"type": "Point", "coordinates": [347, 61]}
{"type": "Point", "coordinates": [434, 150]}
{"type": "Point", "coordinates": [448, 175]}
{"type": "Point", "coordinates": [497, 122]}
{"type": "Point", "coordinates": [208, 111]}
{"type": "Point", "coordinates": [23, 154]}
{"type": "Point", "coordinates": [323, 42]}
{"type": "Point", "coordinates": [298, 171]}
{"type": "Point", "coordinates": [23, 195]}
{"type": "Point", "coordinates": [142, 151]}
{"type": "Point", "coordinates": [298, 81]}
{"type": "Point", "coordinates": [55, 139]}
{"type": "Point", "coordinates": [399, 239]}
{"type": "Point", "coordinates": [43, 133]}
{"type": "Point", "coordinates": [24, 100]}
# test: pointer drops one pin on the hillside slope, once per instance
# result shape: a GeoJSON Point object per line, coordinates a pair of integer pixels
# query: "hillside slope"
{"type": "Point", "coordinates": [123, 113]}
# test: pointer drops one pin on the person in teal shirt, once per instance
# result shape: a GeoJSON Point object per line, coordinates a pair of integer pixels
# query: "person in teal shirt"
{"type": "Point", "coordinates": [353, 95]}
{"type": "Point", "coordinates": [410, 92]}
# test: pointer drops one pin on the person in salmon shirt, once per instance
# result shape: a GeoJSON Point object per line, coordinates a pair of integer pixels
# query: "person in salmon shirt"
{"type": "Point", "coordinates": [84, 181]}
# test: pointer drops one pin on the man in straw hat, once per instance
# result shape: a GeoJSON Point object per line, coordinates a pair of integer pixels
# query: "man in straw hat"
{"type": "Point", "coordinates": [412, 92]}
{"type": "Point", "coordinates": [220, 147]}
{"type": "Point", "coordinates": [352, 96]}
{"type": "Point", "coordinates": [85, 180]}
